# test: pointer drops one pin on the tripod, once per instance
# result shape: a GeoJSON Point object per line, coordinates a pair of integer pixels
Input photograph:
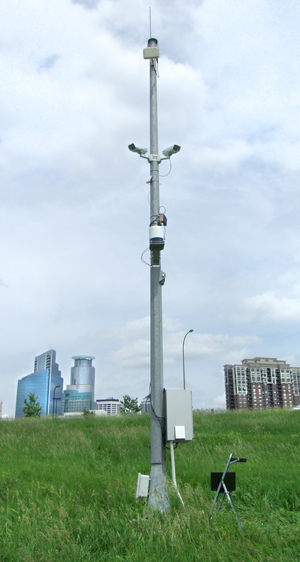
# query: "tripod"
{"type": "Point", "coordinates": [225, 482]}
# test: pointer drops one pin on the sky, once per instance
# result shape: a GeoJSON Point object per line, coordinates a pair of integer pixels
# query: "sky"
{"type": "Point", "coordinates": [74, 202]}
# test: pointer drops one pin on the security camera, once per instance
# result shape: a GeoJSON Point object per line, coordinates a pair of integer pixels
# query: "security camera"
{"type": "Point", "coordinates": [171, 150]}
{"type": "Point", "coordinates": [140, 151]}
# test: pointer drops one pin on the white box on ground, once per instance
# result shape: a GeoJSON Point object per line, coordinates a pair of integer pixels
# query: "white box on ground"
{"type": "Point", "coordinates": [142, 487]}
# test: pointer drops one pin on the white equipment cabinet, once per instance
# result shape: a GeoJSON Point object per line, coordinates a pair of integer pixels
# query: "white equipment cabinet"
{"type": "Point", "coordinates": [179, 415]}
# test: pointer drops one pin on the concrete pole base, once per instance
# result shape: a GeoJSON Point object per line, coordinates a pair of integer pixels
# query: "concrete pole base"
{"type": "Point", "coordinates": [158, 495]}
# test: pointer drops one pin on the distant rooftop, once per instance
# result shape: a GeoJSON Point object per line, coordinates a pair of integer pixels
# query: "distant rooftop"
{"type": "Point", "coordinates": [83, 357]}
{"type": "Point", "coordinates": [108, 399]}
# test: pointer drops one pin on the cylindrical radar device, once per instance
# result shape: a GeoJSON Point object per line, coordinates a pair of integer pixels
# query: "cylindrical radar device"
{"type": "Point", "coordinates": [156, 237]}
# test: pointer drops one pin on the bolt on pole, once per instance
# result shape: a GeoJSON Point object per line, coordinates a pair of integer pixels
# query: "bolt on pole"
{"type": "Point", "coordinates": [158, 494]}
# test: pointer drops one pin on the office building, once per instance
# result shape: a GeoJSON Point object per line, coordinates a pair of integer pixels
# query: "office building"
{"type": "Point", "coordinates": [146, 404]}
{"type": "Point", "coordinates": [262, 382]}
{"type": "Point", "coordinates": [45, 382]}
{"type": "Point", "coordinates": [111, 406]}
{"type": "Point", "coordinates": [79, 395]}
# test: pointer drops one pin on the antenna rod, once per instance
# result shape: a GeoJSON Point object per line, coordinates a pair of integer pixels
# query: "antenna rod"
{"type": "Point", "coordinates": [150, 21]}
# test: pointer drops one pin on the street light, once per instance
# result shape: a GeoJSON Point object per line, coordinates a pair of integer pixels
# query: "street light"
{"type": "Point", "coordinates": [183, 366]}
{"type": "Point", "coordinates": [58, 386]}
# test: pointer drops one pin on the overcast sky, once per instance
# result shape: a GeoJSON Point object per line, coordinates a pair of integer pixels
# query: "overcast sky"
{"type": "Point", "coordinates": [74, 213]}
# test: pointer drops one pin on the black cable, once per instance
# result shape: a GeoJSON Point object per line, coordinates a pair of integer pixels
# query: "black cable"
{"type": "Point", "coordinates": [154, 219]}
{"type": "Point", "coordinates": [175, 446]}
{"type": "Point", "coordinates": [162, 423]}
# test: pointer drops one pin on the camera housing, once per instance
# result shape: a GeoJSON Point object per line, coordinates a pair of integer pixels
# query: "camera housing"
{"type": "Point", "coordinates": [171, 150]}
{"type": "Point", "coordinates": [141, 151]}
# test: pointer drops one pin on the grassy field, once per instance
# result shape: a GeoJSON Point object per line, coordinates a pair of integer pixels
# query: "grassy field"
{"type": "Point", "coordinates": [67, 490]}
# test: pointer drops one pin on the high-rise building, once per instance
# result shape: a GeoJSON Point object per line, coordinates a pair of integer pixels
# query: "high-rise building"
{"type": "Point", "coordinates": [111, 406]}
{"type": "Point", "coordinates": [262, 382]}
{"type": "Point", "coordinates": [79, 395]}
{"type": "Point", "coordinates": [146, 404]}
{"type": "Point", "coordinates": [45, 382]}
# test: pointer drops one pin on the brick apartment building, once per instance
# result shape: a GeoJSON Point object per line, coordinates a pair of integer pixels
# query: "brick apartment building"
{"type": "Point", "coordinates": [262, 382]}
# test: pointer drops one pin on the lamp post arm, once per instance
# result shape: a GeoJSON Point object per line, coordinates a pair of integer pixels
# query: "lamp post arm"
{"type": "Point", "coordinates": [183, 364]}
{"type": "Point", "coordinates": [57, 386]}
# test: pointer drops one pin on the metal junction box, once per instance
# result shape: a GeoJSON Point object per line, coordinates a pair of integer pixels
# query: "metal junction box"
{"type": "Point", "coordinates": [151, 52]}
{"type": "Point", "coordinates": [179, 415]}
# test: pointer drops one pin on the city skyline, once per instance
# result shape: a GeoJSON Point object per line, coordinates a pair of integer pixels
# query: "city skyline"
{"type": "Point", "coordinates": [74, 202]}
{"type": "Point", "coordinates": [261, 382]}
{"type": "Point", "coordinates": [46, 383]}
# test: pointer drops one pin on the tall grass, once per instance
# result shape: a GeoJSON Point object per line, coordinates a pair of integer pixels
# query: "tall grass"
{"type": "Point", "coordinates": [67, 490]}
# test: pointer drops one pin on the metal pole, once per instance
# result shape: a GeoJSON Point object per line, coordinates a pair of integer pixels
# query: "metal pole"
{"type": "Point", "coordinates": [158, 495]}
{"type": "Point", "coordinates": [58, 386]}
{"type": "Point", "coordinates": [183, 365]}
{"type": "Point", "coordinates": [56, 400]}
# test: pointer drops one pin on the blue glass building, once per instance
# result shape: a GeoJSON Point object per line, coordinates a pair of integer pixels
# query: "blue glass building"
{"type": "Point", "coordinates": [47, 384]}
{"type": "Point", "coordinates": [79, 395]}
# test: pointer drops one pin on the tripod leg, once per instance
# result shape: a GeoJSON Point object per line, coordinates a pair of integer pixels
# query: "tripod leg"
{"type": "Point", "coordinates": [221, 502]}
{"type": "Point", "coordinates": [232, 506]}
{"type": "Point", "coordinates": [220, 486]}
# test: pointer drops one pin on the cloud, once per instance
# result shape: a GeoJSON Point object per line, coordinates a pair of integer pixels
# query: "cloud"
{"type": "Point", "coordinates": [290, 359]}
{"type": "Point", "coordinates": [135, 352]}
{"type": "Point", "coordinates": [89, 4]}
{"type": "Point", "coordinates": [133, 329]}
{"type": "Point", "coordinates": [49, 62]}
{"type": "Point", "coordinates": [271, 306]}
{"type": "Point", "coordinates": [220, 401]}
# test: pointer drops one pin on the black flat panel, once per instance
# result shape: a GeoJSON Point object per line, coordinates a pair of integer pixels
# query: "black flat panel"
{"type": "Point", "coordinates": [229, 480]}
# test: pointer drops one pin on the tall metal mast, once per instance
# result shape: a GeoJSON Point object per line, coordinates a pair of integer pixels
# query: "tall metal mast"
{"type": "Point", "coordinates": [158, 495]}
